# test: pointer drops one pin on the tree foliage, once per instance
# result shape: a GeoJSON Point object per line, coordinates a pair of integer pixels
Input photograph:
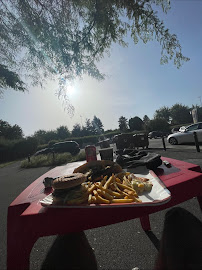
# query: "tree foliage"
{"type": "Point", "coordinates": [94, 127]}
{"type": "Point", "coordinates": [63, 132]}
{"type": "Point", "coordinates": [10, 132]}
{"type": "Point", "coordinates": [135, 123]}
{"type": "Point", "coordinates": [88, 127]}
{"type": "Point", "coordinates": [10, 79]}
{"type": "Point", "coordinates": [180, 114]}
{"type": "Point", "coordinates": [123, 123]}
{"type": "Point", "coordinates": [76, 131]}
{"type": "Point", "coordinates": [163, 112]}
{"type": "Point", "coordinates": [43, 136]}
{"type": "Point", "coordinates": [159, 124]}
{"type": "Point", "coordinates": [66, 38]}
{"type": "Point", "coordinates": [97, 125]}
{"type": "Point", "coordinates": [146, 121]}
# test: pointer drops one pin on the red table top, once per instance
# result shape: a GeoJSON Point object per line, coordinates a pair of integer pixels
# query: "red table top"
{"type": "Point", "coordinates": [179, 172]}
{"type": "Point", "coordinates": [183, 180]}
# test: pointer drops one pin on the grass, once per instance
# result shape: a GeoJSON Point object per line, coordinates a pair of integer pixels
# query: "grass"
{"type": "Point", "coordinates": [2, 165]}
{"type": "Point", "coordinates": [49, 160]}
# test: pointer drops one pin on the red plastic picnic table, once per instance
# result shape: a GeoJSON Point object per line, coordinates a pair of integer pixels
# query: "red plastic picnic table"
{"type": "Point", "coordinates": [28, 219]}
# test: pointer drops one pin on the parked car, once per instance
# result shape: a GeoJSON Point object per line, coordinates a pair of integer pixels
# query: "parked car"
{"type": "Point", "coordinates": [43, 151]}
{"type": "Point", "coordinates": [181, 129]}
{"type": "Point", "coordinates": [104, 143]}
{"type": "Point", "coordinates": [68, 146]}
{"type": "Point", "coordinates": [186, 134]}
{"type": "Point", "coordinates": [115, 138]}
{"type": "Point", "coordinates": [174, 130]}
{"type": "Point", "coordinates": [157, 134]}
{"type": "Point", "coordinates": [124, 141]}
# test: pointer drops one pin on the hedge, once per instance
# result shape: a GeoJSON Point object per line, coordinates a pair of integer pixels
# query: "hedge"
{"type": "Point", "coordinates": [17, 149]}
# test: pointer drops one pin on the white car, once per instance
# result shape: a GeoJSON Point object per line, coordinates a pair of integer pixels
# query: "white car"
{"type": "Point", "coordinates": [186, 135]}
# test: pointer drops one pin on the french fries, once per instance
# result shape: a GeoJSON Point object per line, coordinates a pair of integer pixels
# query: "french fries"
{"type": "Point", "coordinates": [115, 189]}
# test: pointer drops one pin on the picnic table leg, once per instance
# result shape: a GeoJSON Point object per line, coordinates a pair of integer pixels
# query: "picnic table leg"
{"type": "Point", "coordinates": [145, 222]}
{"type": "Point", "coordinates": [18, 251]}
{"type": "Point", "coordinates": [20, 241]}
{"type": "Point", "coordinates": [199, 198]}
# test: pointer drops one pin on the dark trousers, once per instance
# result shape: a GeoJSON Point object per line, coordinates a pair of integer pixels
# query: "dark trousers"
{"type": "Point", "coordinates": [181, 242]}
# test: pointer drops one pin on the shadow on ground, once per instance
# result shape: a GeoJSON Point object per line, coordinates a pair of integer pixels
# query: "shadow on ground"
{"type": "Point", "coordinates": [71, 251]}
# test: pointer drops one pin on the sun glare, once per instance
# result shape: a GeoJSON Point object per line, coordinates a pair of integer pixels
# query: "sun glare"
{"type": "Point", "coordinates": [71, 90]}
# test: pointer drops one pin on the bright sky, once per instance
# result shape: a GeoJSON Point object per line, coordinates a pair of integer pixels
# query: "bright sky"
{"type": "Point", "coordinates": [137, 84]}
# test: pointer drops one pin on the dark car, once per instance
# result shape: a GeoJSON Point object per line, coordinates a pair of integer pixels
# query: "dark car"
{"type": "Point", "coordinates": [68, 146]}
{"type": "Point", "coordinates": [157, 134]}
{"type": "Point", "coordinates": [129, 140]}
{"type": "Point", "coordinates": [43, 151]}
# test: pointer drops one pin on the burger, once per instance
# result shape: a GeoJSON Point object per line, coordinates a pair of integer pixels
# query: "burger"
{"type": "Point", "coordinates": [69, 189]}
{"type": "Point", "coordinates": [95, 170]}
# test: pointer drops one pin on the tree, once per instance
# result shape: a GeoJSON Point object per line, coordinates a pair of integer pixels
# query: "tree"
{"type": "Point", "coordinates": [180, 114]}
{"type": "Point", "coordinates": [76, 131]}
{"type": "Point", "coordinates": [97, 125]}
{"type": "Point", "coordinates": [10, 79]}
{"type": "Point", "coordinates": [146, 121]}
{"type": "Point", "coordinates": [163, 112]}
{"type": "Point", "coordinates": [43, 136]}
{"type": "Point", "coordinates": [159, 124]}
{"type": "Point", "coordinates": [50, 135]}
{"type": "Point", "coordinates": [40, 136]}
{"type": "Point", "coordinates": [89, 128]}
{"type": "Point", "coordinates": [123, 123]}
{"type": "Point", "coordinates": [62, 132]}
{"type": "Point", "coordinates": [66, 38]}
{"type": "Point", "coordinates": [15, 132]}
{"type": "Point", "coordinates": [10, 132]}
{"type": "Point", "coordinates": [135, 123]}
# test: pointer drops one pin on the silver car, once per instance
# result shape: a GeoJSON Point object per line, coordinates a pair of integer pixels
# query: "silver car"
{"type": "Point", "coordinates": [186, 135]}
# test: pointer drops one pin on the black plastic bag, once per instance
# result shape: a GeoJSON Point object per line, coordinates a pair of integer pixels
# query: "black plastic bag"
{"type": "Point", "coordinates": [131, 158]}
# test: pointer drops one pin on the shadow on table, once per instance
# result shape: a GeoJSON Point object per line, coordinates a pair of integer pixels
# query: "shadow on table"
{"type": "Point", "coordinates": [71, 251]}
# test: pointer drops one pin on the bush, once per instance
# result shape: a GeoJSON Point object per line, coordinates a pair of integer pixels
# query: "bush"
{"type": "Point", "coordinates": [82, 141]}
{"type": "Point", "coordinates": [50, 160]}
{"type": "Point", "coordinates": [51, 143]}
{"type": "Point", "coordinates": [17, 149]}
{"type": "Point", "coordinates": [41, 146]}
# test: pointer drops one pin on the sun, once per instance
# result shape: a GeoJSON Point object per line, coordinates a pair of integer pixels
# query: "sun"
{"type": "Point", "coordinates": [71, 90]}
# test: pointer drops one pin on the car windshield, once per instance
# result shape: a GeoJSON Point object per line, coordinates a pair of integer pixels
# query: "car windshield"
{"type": "Point", "coordinates": [191, 128]}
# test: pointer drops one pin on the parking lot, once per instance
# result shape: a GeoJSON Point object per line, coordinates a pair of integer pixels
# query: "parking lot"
{"type": "Point", "coordinates": [121, 246]}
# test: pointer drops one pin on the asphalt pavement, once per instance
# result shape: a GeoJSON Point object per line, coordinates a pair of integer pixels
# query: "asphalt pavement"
{"type": "Point", "coordinates": [120, 246]}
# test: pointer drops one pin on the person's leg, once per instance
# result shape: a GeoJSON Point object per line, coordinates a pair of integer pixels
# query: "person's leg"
{"type": "Point", "coordinates": [181, 243]}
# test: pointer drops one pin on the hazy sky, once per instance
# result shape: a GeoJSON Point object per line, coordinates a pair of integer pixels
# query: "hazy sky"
{"type": "Point", "coordinates": [136, 84]}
